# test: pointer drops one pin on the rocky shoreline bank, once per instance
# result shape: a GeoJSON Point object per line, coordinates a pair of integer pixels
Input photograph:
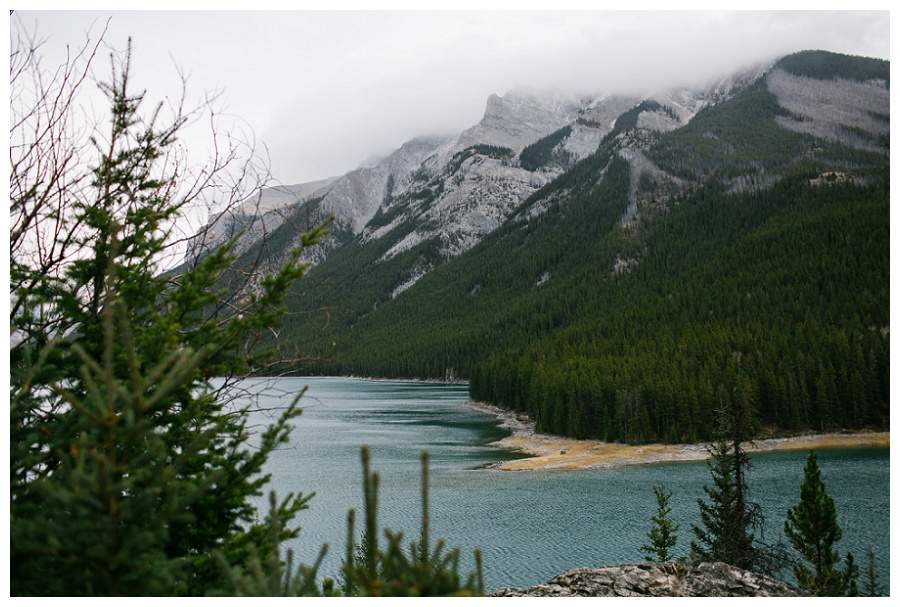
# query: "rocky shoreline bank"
{"type": "Point", "coordinates": [672, 579]}
{"type": "Point", "coordinates": [546, 452]}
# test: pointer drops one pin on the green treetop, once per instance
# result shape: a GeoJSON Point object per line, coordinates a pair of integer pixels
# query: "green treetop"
{"type": "Point", "coordinates": [663, 534]}
{"type": "Point", "coordinates": [813, 531]}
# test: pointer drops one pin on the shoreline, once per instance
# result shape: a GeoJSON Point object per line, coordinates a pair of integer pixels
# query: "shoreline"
{"type": "Point", "coordinates": [547, 452]}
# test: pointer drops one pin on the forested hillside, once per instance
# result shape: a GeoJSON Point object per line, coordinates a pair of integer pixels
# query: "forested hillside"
{"type": "Point", "coordinates": [656, 281]}
{"type": "Point", "coordinates": [778, 299]}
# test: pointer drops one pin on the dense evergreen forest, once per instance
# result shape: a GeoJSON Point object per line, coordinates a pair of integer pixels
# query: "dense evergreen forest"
{"type": "Point", "coordinates": [632, 307]}
{"type": "Point", "coordinates": [777, 299]}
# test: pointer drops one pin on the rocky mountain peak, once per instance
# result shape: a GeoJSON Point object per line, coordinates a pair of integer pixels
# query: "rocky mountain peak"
{"type": "Point", "coordinates": [521, 117]}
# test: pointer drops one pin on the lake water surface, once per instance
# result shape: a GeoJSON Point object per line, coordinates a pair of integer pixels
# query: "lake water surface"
{"type": "Point", "coordinates": [530, 525]}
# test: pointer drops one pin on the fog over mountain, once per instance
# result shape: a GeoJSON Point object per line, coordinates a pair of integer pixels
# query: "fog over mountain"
{"type": "Point", "coordinates": [473, 180]}
{"type": "Point", "coordinates": [323, 91]}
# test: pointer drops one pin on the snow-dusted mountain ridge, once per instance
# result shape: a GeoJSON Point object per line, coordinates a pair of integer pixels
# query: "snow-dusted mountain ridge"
{"type": "Point", "coordinates": [473, 192]}
{"type": "Point", "coordinates": [451, 192]}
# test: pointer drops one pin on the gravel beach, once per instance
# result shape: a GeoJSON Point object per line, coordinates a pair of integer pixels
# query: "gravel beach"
{"type": "Point", "coordinates": [547, 452]}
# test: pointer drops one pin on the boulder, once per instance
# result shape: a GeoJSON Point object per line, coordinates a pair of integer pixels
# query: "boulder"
{"type": "Point", "coordinates": [658, 579]}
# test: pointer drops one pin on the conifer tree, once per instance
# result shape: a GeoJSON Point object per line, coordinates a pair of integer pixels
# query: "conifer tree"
{"type": "Point", "coordinates": [127, 469]}
{"type": "Point", "coordinates": [725, 533]}
{"type": "Point", "coordinates": [426, 569]}
{"type": "Point", "coordinates": [871, 585]}
{"type": "Point", "coordinates": [663, 533]}
{"type": "Point", "coordinates": [813, 530]}
{"type": "Point", "coordinates": [367, 570]}
{"type": "Point", "coordinates": [728, 518]}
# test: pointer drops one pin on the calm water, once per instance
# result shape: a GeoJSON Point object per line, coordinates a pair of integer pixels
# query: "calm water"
{"type": "Point", "coordinates": [530, 526]}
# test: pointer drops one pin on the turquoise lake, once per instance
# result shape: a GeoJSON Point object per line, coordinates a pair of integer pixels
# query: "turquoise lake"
{"type": "Point", "coordinates": [529, 525]}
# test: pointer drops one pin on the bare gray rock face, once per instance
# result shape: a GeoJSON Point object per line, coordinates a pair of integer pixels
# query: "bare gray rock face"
{"type": "Point", "coordinates": [658, 579]}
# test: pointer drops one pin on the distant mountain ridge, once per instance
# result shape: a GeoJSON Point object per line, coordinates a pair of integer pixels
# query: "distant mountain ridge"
{"type": "Point", "coordinates": [523, 117]}
{"type": "Point", "coordinates": [539, 255]}
{"type": "Point", "coordinates": [420, 168]}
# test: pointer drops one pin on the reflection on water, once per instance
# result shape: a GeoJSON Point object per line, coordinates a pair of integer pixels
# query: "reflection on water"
{"type": "Point", "coordinates": [529, 525]}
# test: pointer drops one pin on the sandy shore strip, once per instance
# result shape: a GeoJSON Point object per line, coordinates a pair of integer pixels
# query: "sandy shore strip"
{"type": "Point", "coordinates": [557, 453]}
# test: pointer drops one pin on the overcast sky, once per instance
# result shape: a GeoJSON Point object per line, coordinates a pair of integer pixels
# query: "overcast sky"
{"type": "Point", "coordinates": [325, 91]}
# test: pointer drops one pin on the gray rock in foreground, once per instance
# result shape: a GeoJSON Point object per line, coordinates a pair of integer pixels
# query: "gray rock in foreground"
{"type": "Point", "coordinates": [658, 579]}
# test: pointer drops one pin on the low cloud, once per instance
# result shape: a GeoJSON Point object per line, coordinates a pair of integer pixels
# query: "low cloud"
{"type": "Point", "coordinates": [326, 90]}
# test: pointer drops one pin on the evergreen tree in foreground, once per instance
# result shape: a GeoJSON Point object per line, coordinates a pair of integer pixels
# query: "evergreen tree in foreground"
{"type": "Point", "coordinates": [662, 535]}
{"type": "Point", "coordinates": [729, 519]}
{"type": "Point", "coordinates": [813, 531]}
{"type": "Point", "coordinates": [367, 570]}
{"type": "Point", "coordinates": [871, 585]}
{"type": "Point", "coordinates": [426, 569]}
{"type": "Point", "coordinates": [127, 469]}
{"type": "Point", "coordinates": [726, 533]}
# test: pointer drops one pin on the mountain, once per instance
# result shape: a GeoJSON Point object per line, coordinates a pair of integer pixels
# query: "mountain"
{"type": "Point", "coordinates": [620, 267]}
{"type": "Point", "coordinates": [482, 164]}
